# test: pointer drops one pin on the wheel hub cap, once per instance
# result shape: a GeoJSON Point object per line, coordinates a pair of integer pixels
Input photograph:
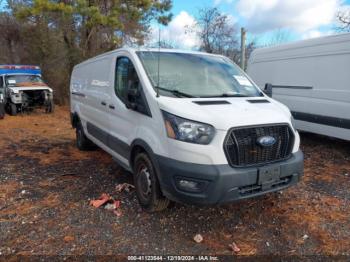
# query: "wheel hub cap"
{"type": "Point", "coordinates": [145, 181]}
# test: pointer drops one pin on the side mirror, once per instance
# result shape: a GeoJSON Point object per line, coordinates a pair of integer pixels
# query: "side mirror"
{"type": "Point", "coordinates": [132, 95]}
{"type": "Point", "coordinates": [268, 89]}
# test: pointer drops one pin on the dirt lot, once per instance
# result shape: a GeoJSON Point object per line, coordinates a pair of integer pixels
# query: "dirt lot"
{"type": "Point", "coordinates": [46, 185]}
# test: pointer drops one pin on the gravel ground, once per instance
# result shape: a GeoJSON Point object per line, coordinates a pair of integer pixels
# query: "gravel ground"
{"type": "Point", "coordinates": [46, 185]}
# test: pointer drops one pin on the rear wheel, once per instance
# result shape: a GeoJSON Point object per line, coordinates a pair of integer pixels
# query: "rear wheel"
{"type": "Point", "coordinates": [147, 186]}
{"type": "Point", "coordinates": [83, 143]}
{"type": "Point", "coordinates": [13, 109]}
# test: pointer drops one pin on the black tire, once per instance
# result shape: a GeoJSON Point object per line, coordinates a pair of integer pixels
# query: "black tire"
{"type": "Point", "coordinates": [13, 109]}
{"type": "Point", "coordinates": [83, 143]}
{"type": "Point", "coordinates": [2, 110]}
{"type": "Point", "coordinates": [50, 108]}
{"type": "Point", "coordinates": [147, 186]}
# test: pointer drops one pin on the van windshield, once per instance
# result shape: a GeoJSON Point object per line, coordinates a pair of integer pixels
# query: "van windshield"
{"type": "Point", "coordinates": [24, 80]}
{"type": "Point", "coordinates": [196, 75]}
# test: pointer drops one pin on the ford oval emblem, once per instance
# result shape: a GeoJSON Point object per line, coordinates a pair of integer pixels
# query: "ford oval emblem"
{"type": "Point", "coordinates": [266, 141]}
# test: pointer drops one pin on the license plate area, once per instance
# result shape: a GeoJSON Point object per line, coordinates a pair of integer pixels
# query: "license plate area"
{"type": "Point", "coordinates": [269, 175]}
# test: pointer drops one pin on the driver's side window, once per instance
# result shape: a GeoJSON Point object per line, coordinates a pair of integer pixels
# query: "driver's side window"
{"type": "Point", "coordinates": [125, 78]}
{"type": "Point", "coordinates": [128, 88]}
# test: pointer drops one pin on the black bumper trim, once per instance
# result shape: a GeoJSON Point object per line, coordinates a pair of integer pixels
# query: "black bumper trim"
{"type": "Point", "coordinates": [225, 183]}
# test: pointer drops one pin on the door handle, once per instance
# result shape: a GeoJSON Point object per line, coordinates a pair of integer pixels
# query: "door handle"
{"type": "Point", "coordinates": [112, 107]}
{"type": "Point", "coordinates": [103, 103]}
{"type": "Point", "coordinates": [78, 94]}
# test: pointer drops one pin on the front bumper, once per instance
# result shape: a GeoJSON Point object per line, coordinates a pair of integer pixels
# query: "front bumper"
{"type": "Point", "coordinates": [222, 183]}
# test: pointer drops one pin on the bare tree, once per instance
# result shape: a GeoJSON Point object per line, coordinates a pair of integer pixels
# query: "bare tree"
{"type": "Point", "coordinates": [216, 32]}
{"type": "Point", "coordinates": [344, 20]}
{"type": "Point", "coordinates": [278, 37]}
{"type": "Point", "coordinates": [10, 39]}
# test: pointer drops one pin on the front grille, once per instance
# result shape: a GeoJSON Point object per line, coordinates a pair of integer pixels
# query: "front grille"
{"type": "Point", "coordinates": [242, 149]}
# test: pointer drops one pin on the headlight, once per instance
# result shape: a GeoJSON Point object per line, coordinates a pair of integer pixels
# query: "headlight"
{"type": "Point", "coordinates": [187, 130]}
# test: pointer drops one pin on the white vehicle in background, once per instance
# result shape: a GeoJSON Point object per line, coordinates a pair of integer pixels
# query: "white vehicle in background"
{"type": "Point", "coordinates": [22, 89]}
{"type": "Point", "coordinates": [190, 126]}
{"type": "Point", "coordinates": [312, 78]}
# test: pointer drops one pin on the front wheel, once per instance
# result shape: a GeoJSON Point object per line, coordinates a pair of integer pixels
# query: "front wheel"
{"type": "Point", "coordinates": [147, 186]}
{"type": "Point", "coordinates": [13, 109]}
{"type": "Point", "coordinates": [50, 107]}
{"type": "Point", "coordinates": [2, 110]}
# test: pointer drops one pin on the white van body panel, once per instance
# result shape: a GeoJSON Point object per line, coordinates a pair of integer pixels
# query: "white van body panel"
{"type": "Point", "coordinates": [322, 64]}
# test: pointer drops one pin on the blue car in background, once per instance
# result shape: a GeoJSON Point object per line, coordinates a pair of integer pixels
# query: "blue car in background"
{"type": "Point", "coordinates": [22, 89]}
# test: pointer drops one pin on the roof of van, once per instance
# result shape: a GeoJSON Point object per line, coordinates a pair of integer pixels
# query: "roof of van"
{"type": "Point", "coordinates": [144, 49]}
{"type": "Point", "coordinates": [328, 44]}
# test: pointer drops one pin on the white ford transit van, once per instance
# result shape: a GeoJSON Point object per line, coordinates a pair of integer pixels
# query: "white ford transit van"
{"type": "Point", "coordinates": [190, 126]}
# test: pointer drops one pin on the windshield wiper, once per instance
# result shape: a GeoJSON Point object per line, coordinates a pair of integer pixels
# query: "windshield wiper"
{"type": "Point", "coordinates": [176, 92]}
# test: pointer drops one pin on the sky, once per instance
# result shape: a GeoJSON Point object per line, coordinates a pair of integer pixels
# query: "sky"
{"type": "Point", "coordinates": [263, 19]}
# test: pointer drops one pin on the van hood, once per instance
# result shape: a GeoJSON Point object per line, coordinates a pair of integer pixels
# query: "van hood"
{"type": "Point", "coordinates": [225, 113]}
{"type": "Point", "coordinates": [16, 89]}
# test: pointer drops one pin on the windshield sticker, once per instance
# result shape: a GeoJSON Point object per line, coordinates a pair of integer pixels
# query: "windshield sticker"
{"type": "Point", "coordinates": [12, 81]}
{"type": "Point", "coordinates": [242, 80]}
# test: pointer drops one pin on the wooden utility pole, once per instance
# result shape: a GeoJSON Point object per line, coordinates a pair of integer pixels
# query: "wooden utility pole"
{"type": "Point", "coordinates": [243, 32]}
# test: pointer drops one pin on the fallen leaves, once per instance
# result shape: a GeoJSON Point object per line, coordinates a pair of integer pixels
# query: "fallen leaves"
{"type": "Point", "coordinates": [68, 238]}
{"type": "Point", "coordinates": [124, 187]}
{"type": "Point", "coordinates": [198, 238]}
